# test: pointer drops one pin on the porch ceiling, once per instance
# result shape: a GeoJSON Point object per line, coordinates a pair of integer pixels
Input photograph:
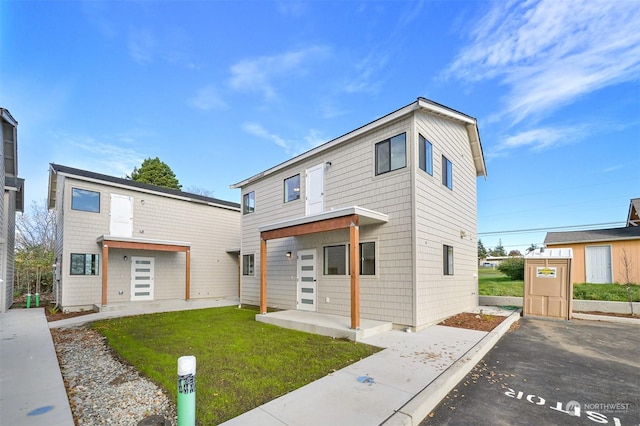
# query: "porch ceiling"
{"type": "Point", "coordinates": [143, 243]}
{"type": "Point", "coordinates": [365, 217]}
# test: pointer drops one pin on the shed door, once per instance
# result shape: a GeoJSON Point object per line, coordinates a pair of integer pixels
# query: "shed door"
{"type": "Point", "coordinates": [121, 213]}
{"type": "Point", "coordinates": [315, 189]}
{"type": "Point", "coordinates": [142, 277]}
{"type": "Point", "coordinates": [307, 288]}
{"type": "Point", "coordinates": [598, 264]}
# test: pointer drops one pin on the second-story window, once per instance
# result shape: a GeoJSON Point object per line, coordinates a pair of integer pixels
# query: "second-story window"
{"type": "Point", "coordinates": [425, 152]}
{"type": "Point", "coordinates": [447, 172]}
{"type": "Point", "coordinates": [85, 200]}
{"type": "Point", "coordinates": [292, 188]}
{"type": "Point", "coordinates": [249, 202]}
{"type": "Point", "coordinates": [391, 154]}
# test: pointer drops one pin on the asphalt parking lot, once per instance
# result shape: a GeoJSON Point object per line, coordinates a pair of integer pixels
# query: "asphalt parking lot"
{"type": "Point", "coordinates": [551, 373]}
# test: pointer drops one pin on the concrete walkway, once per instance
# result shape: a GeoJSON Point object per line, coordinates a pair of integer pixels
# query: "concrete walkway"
{"type": "Point", "coordinates": [32, 392]}
{"type": "Point", "coordinates": [399, 385]}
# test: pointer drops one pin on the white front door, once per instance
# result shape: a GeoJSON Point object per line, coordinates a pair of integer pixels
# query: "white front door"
{"type": "Point", "coordinates": [121, 216]}
{"type": "Point", "coordinates": [598, 264]}
{"type": "Point", "coordinates": [307, 287]}
{"type": "Point", "coordinates": [314, 179]}
{"type": "Point", "coordinates": [142, 278]}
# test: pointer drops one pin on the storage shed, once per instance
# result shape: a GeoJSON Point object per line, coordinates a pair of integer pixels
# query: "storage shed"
{"type": "Point", "coordinates": [548, 289]}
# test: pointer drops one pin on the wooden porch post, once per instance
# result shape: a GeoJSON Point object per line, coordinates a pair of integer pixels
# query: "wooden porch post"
{"type": "Point", "coordinates": [105, 269]}
{"type": "Point", "coordinates": [263, 276]}
{"type": "Point", "coordinates": [354, 249]}
{"type": "Point", "coordinates": [187, 278]}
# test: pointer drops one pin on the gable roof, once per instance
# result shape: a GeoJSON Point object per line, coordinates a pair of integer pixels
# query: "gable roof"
{"type": "Point", "coordinates": [633, 218]}
{"type": "Point", "coordinates": [120, 182]}
{"type": "Point", "coordinates": [595, 235]}
{"type": "Point", "coordinates": [430, 106]}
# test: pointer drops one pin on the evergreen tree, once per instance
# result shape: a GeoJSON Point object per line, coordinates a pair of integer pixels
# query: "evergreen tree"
{"type": "Point", "coordinates": [155, 172]}
{"type": "Point", "coordinates": [499, 249]}
{"type": "Point", "coordinates": [482, 251]}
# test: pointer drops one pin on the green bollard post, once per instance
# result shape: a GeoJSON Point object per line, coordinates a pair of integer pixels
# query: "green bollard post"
{"type": "Point", "coordinates": [28, 300]}
{"type": "Point", "coordinates": [187, 391]}
{"type": "Point", "coordinates": [37, 300]}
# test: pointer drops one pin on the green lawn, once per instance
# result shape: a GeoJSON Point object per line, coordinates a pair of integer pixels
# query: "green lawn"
{"type": "Point", "coordinates": [492, 282]}
{"type": "Point", "coordinates": [241, 363]}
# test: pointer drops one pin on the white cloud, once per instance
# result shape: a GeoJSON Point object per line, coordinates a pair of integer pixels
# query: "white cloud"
{"type": "Point", "coordinates": [256, 129]}
{"type": "Point", "coordinates": [549, 52]}
{"type": "Point", "coordinates": [208, 98]}
{"type": "Point", "coordinates": [142, 46]}
{"type": "Point", "coordinates": [537, 140]}
{"type": "Point", "coordinates": [89, 153]}
{"type": "Point", "coordinates": [259, 74]}
{"type": "Point", "coordinates": [312, 139]}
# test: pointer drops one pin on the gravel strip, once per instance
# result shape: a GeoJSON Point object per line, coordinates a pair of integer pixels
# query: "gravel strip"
{"type": "Point", "coordinates": [102, 390]}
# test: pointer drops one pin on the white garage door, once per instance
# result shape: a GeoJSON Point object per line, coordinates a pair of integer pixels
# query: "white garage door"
{"type": "Point", "coordinates": [598, 263]}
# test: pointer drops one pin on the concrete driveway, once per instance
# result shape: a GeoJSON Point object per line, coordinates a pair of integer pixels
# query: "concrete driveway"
{"type": "Point", "coordinates": [550, 373]}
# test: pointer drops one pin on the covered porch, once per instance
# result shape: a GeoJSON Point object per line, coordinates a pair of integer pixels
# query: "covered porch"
{"type": "Point", "coordinates": [114, 242]}
{"type": "Point", "coordinates": [350, 218]}
{"type": "Point", "coordinates": [325, 324]}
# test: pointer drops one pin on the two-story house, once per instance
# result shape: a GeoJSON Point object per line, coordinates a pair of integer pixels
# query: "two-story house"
{"type": "Point", "coordinates": [121, 242]}
{"type": "Point", "coordinates": [379, 223]}
{"type": "Point", "coordinates": [10, 202]}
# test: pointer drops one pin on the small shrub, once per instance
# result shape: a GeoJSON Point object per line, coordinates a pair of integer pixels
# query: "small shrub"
{"type": "Point", "coordinates": [513, 268]}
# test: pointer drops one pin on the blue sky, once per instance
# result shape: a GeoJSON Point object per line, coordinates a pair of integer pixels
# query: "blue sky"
{"type": "Point", "coordinates": [222, 90]}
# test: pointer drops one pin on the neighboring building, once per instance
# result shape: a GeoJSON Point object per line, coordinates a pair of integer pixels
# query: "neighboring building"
{"type": "Point", "coordinates": [12, 201]}
{"type": "Point", "coordinates": [603, 255]}
{"type": "Point", "coordinates": [119, 241]}
{"type": "Point", "coordinates": [495, 261]}
{"type": "Point", "coordinates": [380, 223]}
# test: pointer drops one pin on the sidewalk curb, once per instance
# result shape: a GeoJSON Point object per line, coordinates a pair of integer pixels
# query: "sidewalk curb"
{"type": "Point", "coordinates": [605, 318]}
{"type": "Point", "coordinates": [414, 411]}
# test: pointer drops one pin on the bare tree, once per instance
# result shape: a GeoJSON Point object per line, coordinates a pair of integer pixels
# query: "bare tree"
{"type": "Point", "coordinates": [627, 274]}
{"type": "Point", "coordinates": [35, 238]}
{"type": "Point", "coordinates": [36, 228]}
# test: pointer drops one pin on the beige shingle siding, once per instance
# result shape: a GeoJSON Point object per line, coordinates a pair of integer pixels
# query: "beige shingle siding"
{"type": "Point", "coordinates": [441, 215]}
{"type": "Point", "coordinates": [210, 231]}
{"type": "Point", "coordinates": [349, 181]}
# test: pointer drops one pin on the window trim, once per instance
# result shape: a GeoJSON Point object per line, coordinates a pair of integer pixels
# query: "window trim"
{"type": "Point", "coordinates": [375, 258]}
{"type": "Point", "coordinates": [74, 189]}
{"type": "Point", "coordinates": [447, 172]}
{"type": "Point", "coordinates": [325, 258]}
{"type": "Point", "coordinates": [347, 259]}
{"type": "Point", "coordinates": [285, 189]}
{"type": "Point", "coordinates": [94, 258]}
{"type": "Point", "coordinates": [447, 260]}
{"type": "Point", "coordinates": [250, 270]}
{"type": "Point", "coordinates": [388, 142]}
{"type": "Point", "coordinates": [247, 208]}
{"type": "Point", "coordinates": [426, 153]}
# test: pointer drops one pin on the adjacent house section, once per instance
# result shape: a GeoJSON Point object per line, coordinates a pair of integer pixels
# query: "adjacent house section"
{"type": "Point", "coordinates": [603, 256]}
{"type": "Point", "coordinates": [123, 242]}
{"type": "Point", "coordinates": [379, 223]}
{"type": "Point", "coordinates": [10, 203]}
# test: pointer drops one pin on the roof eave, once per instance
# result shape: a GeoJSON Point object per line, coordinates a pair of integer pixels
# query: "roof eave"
{"type": "Point", "coordinates": [421, 103]}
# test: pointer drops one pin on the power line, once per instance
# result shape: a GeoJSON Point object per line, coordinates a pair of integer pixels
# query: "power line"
{"type": "Point", "coordinates": [524, 231]}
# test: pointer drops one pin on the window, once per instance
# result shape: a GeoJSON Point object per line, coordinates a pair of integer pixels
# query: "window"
{"type": "Point", "coordinates": [247, 264]}
{"type": "Point", "coordinates": [367, 258]}
{"type": "Point", "coordinates": [84, 264]}
{"type": "Point", "coordinates": [85, 200]}
{"type": "Point", "coordinates": [447, 172]}
{"type": "Point", "coordinates": [292, 188]}
{"type": "Point", "coordinates": [249, 203]}
{"type": "Point", "coordinates": [447, 260]}
{"type": "Point", "coordinates": [426, 155]}
{"type": "Point", "coordinates": [391, 154]}
{"type": "Point", "coordinates": [335, 260]}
